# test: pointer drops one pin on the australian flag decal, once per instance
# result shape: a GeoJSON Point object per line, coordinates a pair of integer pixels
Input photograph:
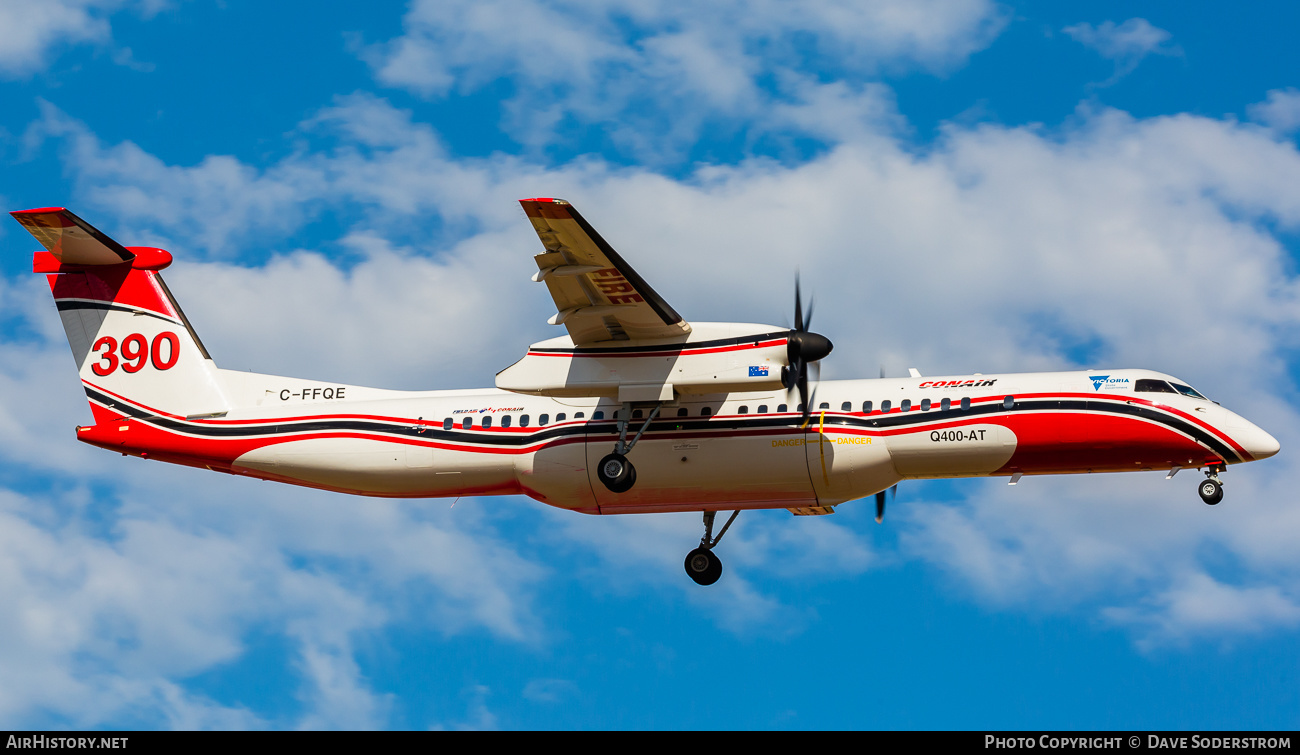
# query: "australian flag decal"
{"type": "Point", "coordinates": [758, 371]}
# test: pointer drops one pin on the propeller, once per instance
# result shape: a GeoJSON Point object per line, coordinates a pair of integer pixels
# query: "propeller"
{"type": "Point", "coordinates": [880, 502]}
{"type": "Point", "coordinates": [803, 348]}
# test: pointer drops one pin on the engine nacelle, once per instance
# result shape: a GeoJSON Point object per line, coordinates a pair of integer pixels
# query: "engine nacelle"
{"type": "Point", "coordinates": [712, 358]}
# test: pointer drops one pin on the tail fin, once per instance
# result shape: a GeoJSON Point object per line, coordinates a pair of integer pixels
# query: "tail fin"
{"type": "Point", "coordinates": [133, 346]}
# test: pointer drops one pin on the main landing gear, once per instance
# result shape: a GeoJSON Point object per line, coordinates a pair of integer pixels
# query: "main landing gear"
{"type": "Point", "coordinates": [702, 565]}
{"type": "Point", "coordinates": [614, 470]}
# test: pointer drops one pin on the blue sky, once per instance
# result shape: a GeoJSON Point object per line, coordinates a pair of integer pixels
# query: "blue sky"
{"type": "Point", "coordinates": [965, 185]}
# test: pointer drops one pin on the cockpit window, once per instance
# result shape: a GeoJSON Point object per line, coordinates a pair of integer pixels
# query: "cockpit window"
{"type": "Point", "coordinates": [1146, 385]}
{"type": "Point", "coordinates": [1188, 390]}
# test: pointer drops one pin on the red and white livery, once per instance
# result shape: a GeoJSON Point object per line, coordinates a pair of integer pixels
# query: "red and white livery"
{"type": "Point", "coordinates": [635, 410]}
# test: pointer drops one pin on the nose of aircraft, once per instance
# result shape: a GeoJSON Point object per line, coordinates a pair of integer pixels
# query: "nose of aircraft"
{"type": "Point", "coordinates": [1258, 443]}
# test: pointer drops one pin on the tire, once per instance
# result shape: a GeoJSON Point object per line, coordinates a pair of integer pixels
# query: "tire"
{"type": "Point", "coordinates": [616, 473]}
{"type": "Point", "coordinates": [1211, 492]}
{"type": "Point", "coordinates": [703, 566]}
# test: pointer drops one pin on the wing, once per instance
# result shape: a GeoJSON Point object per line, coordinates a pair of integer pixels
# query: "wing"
{"type": "Point", "coordinates": [598, 296]}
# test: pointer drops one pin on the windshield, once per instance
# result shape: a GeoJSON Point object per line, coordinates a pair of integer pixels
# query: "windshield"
{"type": "Point", "coordinates": [1188, 390]}
{"type": "Point", "coordinates": [1147, 385]}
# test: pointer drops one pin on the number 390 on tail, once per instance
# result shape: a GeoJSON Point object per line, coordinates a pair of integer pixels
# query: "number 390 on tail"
{"type": "Point", "coordinates": [633, 410]}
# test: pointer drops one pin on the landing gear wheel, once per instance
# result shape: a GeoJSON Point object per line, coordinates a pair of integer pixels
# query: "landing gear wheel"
{"type": "Point", "coordinates": [1211, 491]}
{"type": "Point", "coordinates": [703, 566]}
{"type": "Point", "coordinates": [617, 473]}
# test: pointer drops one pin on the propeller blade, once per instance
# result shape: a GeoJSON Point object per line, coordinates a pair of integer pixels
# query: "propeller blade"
{"type": "Point", "coordinates": [809, 401]}
{"type": "Point", "coordinates": [880, 502]}
{"type": "Point", "coordinates": [798, 307]}
{"type": "Point", "coordinates": [804, 399]}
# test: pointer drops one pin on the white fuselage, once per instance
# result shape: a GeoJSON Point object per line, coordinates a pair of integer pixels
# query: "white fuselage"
{"type": "Point", "coordinates": [702, 452]}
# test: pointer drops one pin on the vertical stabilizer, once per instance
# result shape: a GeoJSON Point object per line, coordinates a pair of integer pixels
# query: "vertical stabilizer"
{"type": "Point", "coordinates": [134, 348]}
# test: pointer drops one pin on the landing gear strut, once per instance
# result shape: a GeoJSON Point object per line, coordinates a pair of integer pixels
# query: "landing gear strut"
{"type": "Point", "coordinates": [614, 470]}
{"type": "Point", "coordinates": [1211, 489]}
{"type": "Point", "coordinates": [702, 565]}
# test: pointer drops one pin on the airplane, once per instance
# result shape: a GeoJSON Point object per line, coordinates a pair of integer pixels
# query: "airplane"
{"type": "Point", "coordinates": [634, 410]}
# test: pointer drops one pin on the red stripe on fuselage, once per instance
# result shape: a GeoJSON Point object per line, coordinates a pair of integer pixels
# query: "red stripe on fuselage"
{"type": "Point", "coordinates": [1192, 418]}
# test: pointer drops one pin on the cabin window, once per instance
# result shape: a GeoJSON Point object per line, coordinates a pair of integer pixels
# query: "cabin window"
{"type": "Point", "coordinates": [824, 405]}
{"type": "Point", "coordinates": [946, 404]}
{"type": "Point", "coordinates": [544, 418]}
{"type": "Point", "coordinates": [560, 417]}
{"type": "Point", "coordinates": [505, 421]}
{"type": "Point", "coordinates": [1009, 402]}
{"type": "Point", "coordinates": [743, 410]}
{"type": "Point", "coordinates": [597, 415]}
{"type": "Point", "coordinates": [847, 406]}
{"type": "Point", "coordinates": [636, 414]}
{"type": "Point", "coordinates": [925, 404]}
{"type": "Point", "coordinates": [906, 406]}
{"type": "Point", "coordinates": [466, 423]}
{"type": "Point", "coordinates": [781, 409]}
{"type": "Point", "coordinates": [615, 415]}
{"type": "Point", "coordinates": [576, 415]}
{"type": "Point", "coordinates": [523, 420]}
{"type": "Point", "coordinates": [1147, 385]}
{"type": "Point", "coordinates": [884, 406]}
{"type": "Point", "coordinates": [487, 421]}
{"type": "Point", "coordinates": [866, 407]}
{"type": "Point", "coordinates": [682, 412]}
{"type": "Point", "coordinates": [799, 408]}
{"type": "Point", "coordinates": [705, 411]}
{"type": "Point", "coordinates": [965, 403]}
{"type": "Point", "coordinates": [447, 423]}
{"type": "Point", "coordinates": [762, 408]}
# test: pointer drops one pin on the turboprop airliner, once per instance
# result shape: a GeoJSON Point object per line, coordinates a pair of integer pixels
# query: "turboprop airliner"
{"type": "Point", "coordinates": [633, 410]}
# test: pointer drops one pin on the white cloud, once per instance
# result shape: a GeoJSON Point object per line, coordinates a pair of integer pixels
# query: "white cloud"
{"type": "Point", "coordinates": [108, 604]}
{"type": "Point", "coordinates": [212, 205]}
{"type": "Point", "coordinates": [1125, 44]}
{"type": "Point", "coordinates": [32, 32]}
{"type": "Point", "coordinates": [1199, 605]}
{"type": "Point", "coordinates": [478, 716]}
{"type": "Point", "coordinates": [549, 690]}
{"type": "Point", "coordinates": [605, 63]}
{"type": "Point", "coordinates": [1281, 111]}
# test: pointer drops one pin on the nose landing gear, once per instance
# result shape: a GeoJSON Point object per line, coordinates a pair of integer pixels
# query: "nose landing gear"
{"type": "Point", "coordinates": [1211, 489]}
{"type": "Point", "coordinates": [702, 564]}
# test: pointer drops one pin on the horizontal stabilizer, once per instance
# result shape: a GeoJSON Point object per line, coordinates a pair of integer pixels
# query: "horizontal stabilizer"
{"type": "Point", "coordinates": [70, 239]}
